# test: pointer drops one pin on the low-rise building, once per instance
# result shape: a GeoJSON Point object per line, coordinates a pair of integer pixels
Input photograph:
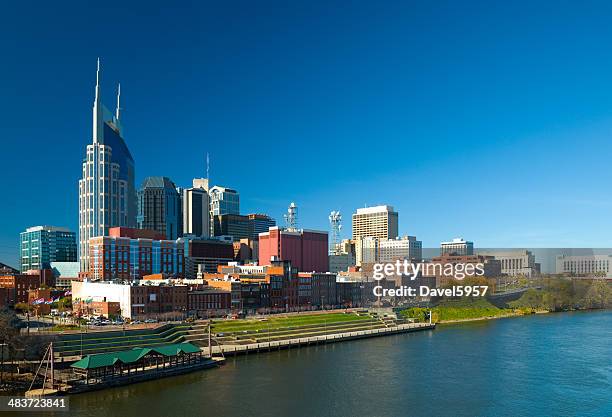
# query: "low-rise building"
{"type": "Point", "coordinates": [458, 246]}
{"type": "Point", "coordinates": [324, 291]}
{"type": "Point", "coordinates": [18, 285]}
{"type": "Point", "coordinates": [108, 309]}
{"type": "Point", "coordinates": [209, 301]}
{"type": "Point", "coordinates": [448, 267]}
{"type": "Point", "coordinates": [135, 300]}
{"type": "Point", "coordinates": [594, 265]}
{"type": "Point", "coordinates": [65, 272]}
{"type": "Point", "coordinates": [515, 262]}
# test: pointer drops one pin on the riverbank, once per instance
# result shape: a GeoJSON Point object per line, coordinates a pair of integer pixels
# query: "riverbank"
{"type": "Point", "coordinates": [503, 316]}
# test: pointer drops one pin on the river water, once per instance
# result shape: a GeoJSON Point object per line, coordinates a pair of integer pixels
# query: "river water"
{"type": "Point", "coordinates": [543, 365]}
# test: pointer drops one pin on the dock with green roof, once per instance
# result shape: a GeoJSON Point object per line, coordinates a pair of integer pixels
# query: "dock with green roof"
{"type": "Point", "coordinates": [102, 370]}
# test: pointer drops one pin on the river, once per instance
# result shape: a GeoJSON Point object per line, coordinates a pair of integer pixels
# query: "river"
{"type": "Point", "coordinates": [542, 365]}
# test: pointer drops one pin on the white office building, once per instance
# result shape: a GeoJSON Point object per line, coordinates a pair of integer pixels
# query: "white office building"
{"type": "Point", "coordinates": [457, 246]}
{"type": "Point", "coordinates": [407, 247]}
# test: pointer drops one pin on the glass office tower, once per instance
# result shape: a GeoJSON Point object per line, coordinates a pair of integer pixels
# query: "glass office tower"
{"type": "Point", "coordinates": [107, 194]}
{"type": "Point", "coordinates": [41, 245]}
{"type": "Point", "coordinates": [159, 207]}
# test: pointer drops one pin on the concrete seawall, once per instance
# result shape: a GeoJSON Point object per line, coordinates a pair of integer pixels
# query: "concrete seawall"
{"type": "Point", "coordinates": [230, 350]}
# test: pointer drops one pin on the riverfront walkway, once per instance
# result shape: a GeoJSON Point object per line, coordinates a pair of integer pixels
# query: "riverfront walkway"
{"type": "Point", "coordinates": [229, 350]}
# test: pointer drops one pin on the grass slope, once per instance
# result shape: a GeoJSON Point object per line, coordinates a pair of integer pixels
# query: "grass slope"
{"type": "Point", "coordinates": [240, 325]}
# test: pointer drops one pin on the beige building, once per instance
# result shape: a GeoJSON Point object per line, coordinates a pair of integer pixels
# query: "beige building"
{"type": "Point", "coordinates": [515, 262]}
{"type": "Point", "coordinates": [600, 265]}
{"type": "Point", "coordinates": [379, 222]}
{"type": "Point", "coordinates": [366, 250]}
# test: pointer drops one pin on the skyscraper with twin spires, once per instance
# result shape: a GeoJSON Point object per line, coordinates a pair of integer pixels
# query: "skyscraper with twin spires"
{"type": "Point", "coordinates": [107, 194]}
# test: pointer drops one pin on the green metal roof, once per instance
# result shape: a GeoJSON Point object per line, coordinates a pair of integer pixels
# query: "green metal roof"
{"type": "Point", "coordinates": [173, 350]}
{"type": "Point", "coordinates": [101, 360]}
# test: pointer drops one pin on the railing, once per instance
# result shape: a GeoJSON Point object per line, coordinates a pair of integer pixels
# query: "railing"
{"type": "Point", "coordinates": [234, 349]}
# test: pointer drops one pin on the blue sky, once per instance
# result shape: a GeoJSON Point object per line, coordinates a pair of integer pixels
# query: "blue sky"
{"type": "Point", "coordinates": [487, 120]}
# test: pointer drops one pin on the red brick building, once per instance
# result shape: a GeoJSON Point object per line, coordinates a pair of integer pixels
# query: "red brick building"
{"type": "Point", "coordinates": [307, 250]}
{"type": "Point", "coordinates": [213, 300]}
{"type": "Point", "coordinates": [18, 286]}
{"type": "Point", "coordinates": [135, 233]}
{"type": "Point", "coordinates": [97, 308]}
{"type": "Point", "coordinates": [129, 254]}
{"type": "Point", "coordinates": [158, 299]}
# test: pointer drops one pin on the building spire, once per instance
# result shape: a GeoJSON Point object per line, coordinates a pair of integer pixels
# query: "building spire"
{"type": "Point", "coordinates": [97, 109]}
{"type": "Point", "coordinates": [98, 81]}
{"type": "Point", "coordinates": [118, 110]}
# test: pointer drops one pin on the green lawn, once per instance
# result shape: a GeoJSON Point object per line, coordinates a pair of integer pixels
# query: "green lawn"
{"type": "Point", "coordinates": [273, 323]}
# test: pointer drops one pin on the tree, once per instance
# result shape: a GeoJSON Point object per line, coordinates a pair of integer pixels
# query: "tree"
{"type": "Point", "coordinates": [9, 332]}
{"type": "Point", "coordinates": [9, 324]}
{"type": "Point", "coordinates": [24, 307]}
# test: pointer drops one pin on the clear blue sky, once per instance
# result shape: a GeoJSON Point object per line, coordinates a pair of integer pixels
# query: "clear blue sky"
{"type": "Point", "coordinates": [488, 120]}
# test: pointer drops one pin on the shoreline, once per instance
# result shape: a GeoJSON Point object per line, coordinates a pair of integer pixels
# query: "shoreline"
{"type": "Point", "coordinates": [503, 316]}
{"type": "Point", "coordinates": [513, 315]}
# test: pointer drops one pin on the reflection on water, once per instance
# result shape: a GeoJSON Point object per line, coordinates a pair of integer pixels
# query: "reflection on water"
{"type": "Point", "coordinates": [555, 364]}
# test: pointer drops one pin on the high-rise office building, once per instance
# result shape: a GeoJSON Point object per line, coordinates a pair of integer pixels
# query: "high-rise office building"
{"type": "Point", "coordinates": [159, 207]}
{"type": "Point", "coordinates": [195, 205]}
{"type": "Point", "coordinates": [107, 194]}
{"type": "Point", "coordinates": [457, 246]}
{"type": "Point", "coordinates": [223, 200]}
{"type": "Point", "coordinates": [41, 245]}
{"type": "Point", "coordinates": [380, 222]}
{"type": "Point", "coordinates": [259, 223]}
{"type": "Point", "coordinates": [233, 225]}
{"type": "Point", "coordinates": [366, 250]}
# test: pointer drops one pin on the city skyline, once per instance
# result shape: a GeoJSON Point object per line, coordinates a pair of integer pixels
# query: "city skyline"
{"type": "Point", "coordinates": [493, 144]}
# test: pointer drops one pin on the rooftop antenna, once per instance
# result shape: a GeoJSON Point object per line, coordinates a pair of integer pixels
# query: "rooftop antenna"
{"type": "Point", "coordinates": [207, 166]}
{"type": "Point", "coordinates": [335, 220]}
{"type": "Point", "coordinates": [291, 217]}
